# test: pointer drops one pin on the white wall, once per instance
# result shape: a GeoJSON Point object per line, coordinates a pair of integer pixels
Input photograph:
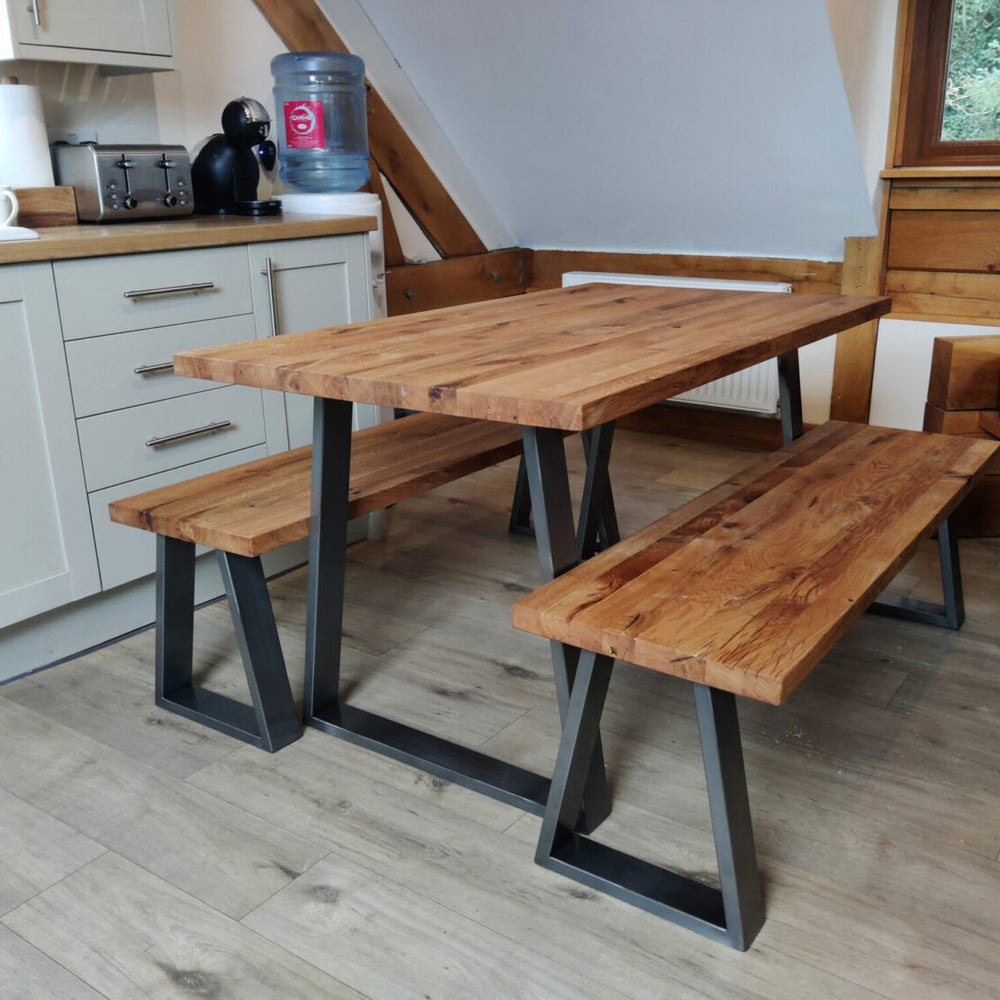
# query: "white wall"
{"type": "Point", "coordinates": [643, 125]}
{"type": "Point", "coordinates": [864, 32]}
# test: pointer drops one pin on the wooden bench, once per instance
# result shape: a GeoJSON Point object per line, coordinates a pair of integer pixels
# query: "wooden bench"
{"type": "Point", "coordinates": [742, 591]}
{"type": "Point", "coordinates": [250, 509]}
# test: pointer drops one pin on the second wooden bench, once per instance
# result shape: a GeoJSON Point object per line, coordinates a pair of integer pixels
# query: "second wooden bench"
{"type": "Point", "coordinates": [250, 509]}
{"type": "Point", "coordinates": [742, 591]}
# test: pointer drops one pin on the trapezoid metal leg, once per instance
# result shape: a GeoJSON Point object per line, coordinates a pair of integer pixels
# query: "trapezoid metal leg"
{"type": "Point", "coordinates": [949, 614]}
{"type": "Point", "coordinates": [732, 914]}
{"type": "Point", "coordinates": [729, 804]}
{"type": "Point", "coordinates": [545, 459]}
{"type": "Point", "coordinates": [271, 721]}
{"type": "Point", "coordinates": [324, 708]}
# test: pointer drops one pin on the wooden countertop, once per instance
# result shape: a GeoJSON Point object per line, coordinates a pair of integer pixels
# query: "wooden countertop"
{"type": "Point", "coordinates": [64, 242]}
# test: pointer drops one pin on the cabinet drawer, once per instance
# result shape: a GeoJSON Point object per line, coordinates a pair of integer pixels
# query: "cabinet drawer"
{"type": "Point", "coordinates": [114, 445]}
{"type": "Point", "coordinates": [113, 294]}
{"type": "Point", "coordinates": [102, 370]}
{"type": "Point", "coordinates": [124, 553]}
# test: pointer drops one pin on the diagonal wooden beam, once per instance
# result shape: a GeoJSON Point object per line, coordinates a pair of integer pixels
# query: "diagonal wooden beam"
{"type": "Point", "coordinates": [391, 247]}
{"type": "Point", "coordinates": [303, 27]}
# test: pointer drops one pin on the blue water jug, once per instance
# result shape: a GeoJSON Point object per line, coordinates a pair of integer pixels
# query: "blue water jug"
{"type": "Point", "coordinates": [319, 107]}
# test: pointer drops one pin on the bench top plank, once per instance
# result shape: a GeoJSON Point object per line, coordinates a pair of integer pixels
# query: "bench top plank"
{"type": "Point", "coordinates": [748, 587]}
{"type": "Point", "coordinates": [260, 505]}
{"type": "Point", "coordinates": [568, 358]}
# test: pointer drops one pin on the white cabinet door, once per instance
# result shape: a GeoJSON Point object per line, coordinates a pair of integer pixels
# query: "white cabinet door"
{"type": "Point", "coordinates": [303, 285]}
{"type": "Point", "coordinates": [116, 32]}
{"type": "Point", "coordinates": [47, 555]}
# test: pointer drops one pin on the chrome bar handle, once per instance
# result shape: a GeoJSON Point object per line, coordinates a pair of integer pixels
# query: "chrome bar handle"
{"type": "Point", "coordinates": [155, 442]}
{"type": "Point", "coordinates": [195, 286]}
{"type": "Point", "coordinates": [35, 13]}
{"type": "Point", "coordinates": [268, 272]}
{"type": "Point", "coordinates": [163, 366]}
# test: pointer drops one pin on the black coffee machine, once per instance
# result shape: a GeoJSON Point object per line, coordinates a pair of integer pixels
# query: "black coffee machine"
{"type": "Point", "coordinates": [225, 174]}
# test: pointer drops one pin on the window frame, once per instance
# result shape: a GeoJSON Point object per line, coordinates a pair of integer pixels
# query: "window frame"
{"type": "Point", "coordinates": [924, 76]}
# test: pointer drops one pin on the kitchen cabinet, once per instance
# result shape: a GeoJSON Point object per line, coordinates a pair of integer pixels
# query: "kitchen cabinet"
{"type": "Point", "coordinates": [90, 409]}
{"type": "Point", "coordinates": [47, 555]}
{"type": "Point", "coordinates": [303, 285]}
{"type": "Point", "coordinates": [138, 424]}
{"type": "Point", "coordinates": [121, 35]}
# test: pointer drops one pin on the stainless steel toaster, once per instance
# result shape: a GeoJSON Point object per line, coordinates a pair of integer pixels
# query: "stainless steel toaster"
{"type": "Point", "coordinates": [125, 183]}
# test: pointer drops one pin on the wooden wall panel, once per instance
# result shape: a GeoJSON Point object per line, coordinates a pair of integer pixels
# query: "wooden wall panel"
{"type": "Point", "coordinates": [805, 275]}
{"type": "Point", "coordinates": [945, 241]}
{"type": "Point", "coordinates": [955, 195]}
{"type": "Point", "coordinates": [458, 280]}
{"type": "Point", "coordinates": [945, 296]}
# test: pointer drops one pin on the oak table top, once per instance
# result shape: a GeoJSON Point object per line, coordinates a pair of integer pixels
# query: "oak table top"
{"type": "Point", "coordinates": [569, 358]}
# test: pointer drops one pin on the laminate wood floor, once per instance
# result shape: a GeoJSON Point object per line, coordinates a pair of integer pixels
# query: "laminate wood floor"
{"type": "Point", "coordinates": [144, 856]}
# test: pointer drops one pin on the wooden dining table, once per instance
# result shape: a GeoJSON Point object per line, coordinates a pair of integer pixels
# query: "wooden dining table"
{"type": "Point", "coordinates": [558, 361]}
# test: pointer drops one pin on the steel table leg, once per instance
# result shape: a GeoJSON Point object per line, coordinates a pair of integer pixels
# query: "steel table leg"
{"type": "Point", "coordinates": [598, 526]}
{"type": "Point", "coordinates": [545, 458]}
{"type": "Point", "coordinates": [324, 708]}
{"type": "Point", "coordinates": [331, 472]}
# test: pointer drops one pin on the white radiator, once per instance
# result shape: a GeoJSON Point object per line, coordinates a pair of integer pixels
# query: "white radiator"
{"type": "Point", "coordinates": [753, 390]}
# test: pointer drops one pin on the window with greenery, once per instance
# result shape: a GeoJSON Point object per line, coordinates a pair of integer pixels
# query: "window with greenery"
{"type": "Point", "coordinates": [950, 102]}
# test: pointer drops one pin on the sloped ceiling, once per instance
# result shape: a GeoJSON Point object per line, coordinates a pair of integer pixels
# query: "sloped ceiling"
{"type": "Point", "coordinates": [717, 127]}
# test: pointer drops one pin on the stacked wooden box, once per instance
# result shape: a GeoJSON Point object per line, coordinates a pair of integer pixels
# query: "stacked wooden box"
{"type": "Point", "coordinates": [962, 398]}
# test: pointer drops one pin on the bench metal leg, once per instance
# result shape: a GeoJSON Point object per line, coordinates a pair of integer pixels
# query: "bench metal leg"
{"type": "Point", "coordinates": [275, 716]}
{"type": "Point", "coordinates": [271, 720]}
{"type": "Point", "coordinates": [790, 396]}
{"type": "Point", "coordinates": [950, 614]}
{"type": "Point", "coordinates": [174, 615]}
{"type": "Point", "coordinates": [733, 914]}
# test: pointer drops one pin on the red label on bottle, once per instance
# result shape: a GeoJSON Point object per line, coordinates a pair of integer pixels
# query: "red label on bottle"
{"type": "Point", "coordinates": [304, 125]}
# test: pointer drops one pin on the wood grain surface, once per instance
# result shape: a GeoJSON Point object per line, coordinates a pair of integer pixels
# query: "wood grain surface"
{"type": "Point", "coordinates": [48, 206]}
{"type": "Point", "coordinates": [255, 507]}
{"type": "Point", "coordinates": [945, 241]}
{"type": "Point", "coordinates": [568, 358]}
{"type": "Point", "coordinates": [965, 373]}
{"type": "Point", "coordinates": [749, 586]}
{"type": "Point", "coordinates": [67, 242]}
